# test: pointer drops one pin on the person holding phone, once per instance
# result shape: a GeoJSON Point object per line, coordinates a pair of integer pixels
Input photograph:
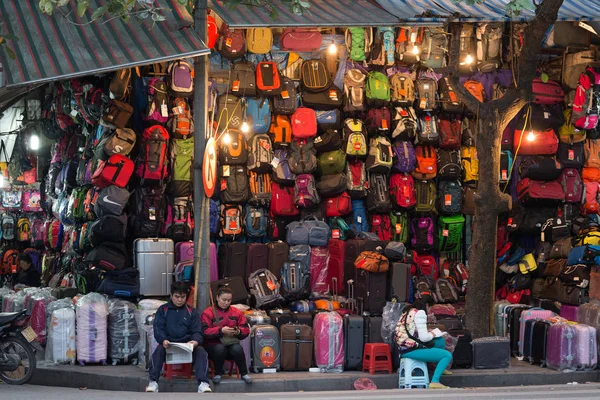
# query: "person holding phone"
{"type": "Point", "coordinates": [224, 327]}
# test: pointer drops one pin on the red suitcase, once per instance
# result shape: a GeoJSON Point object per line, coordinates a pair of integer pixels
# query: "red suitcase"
{"type": "Point", "coordinates": [529, 190]}
{"type": "Point", "coordinates": [535, 143]}
{"type": "Point", "coordinates": [117, 170]}
{"type": "Point", "coordinates": [319, 260]}
{"type": "Point", "coordinates": [335, 268]}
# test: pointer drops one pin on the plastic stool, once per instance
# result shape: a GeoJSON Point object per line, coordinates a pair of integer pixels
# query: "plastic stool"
{"type": "Point", "coordinates": [377, 358]}
{"type": "Point", "coordinates": [232, 367]}
{"type": "Point", "coordinates": [406, 374]}
{"type": "Point", "coordinates": [177, 370]}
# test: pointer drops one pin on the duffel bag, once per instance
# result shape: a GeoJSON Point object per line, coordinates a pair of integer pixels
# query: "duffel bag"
{"type": "Point", "coordinates": [540, 168]}
{"type": "Point", "coordinates": [535, 143]}
{"type": "Point", "coordinates": [124, 283]}
{"type": "Point", "coordinates": [532, 191]}
{"type": "Point", "coordinates": [309, 231]}
{"type": "Point", "coordinates": [108, 256]}
{"type": "Point", "coordinates": [372, 261]}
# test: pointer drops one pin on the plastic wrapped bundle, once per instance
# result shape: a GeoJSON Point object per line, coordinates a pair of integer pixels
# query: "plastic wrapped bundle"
{"type": "Point", "coordinates": [4, 291]}
{"type": "Point", "coordinates": [319, 260]}
{"type": "Point", "coordinates": [60, 344]}
{"type": "Point", "coordinates": [29, 293]}
{"type": "Point", "coordinates": [8, 302]}
{"type": "Point", "coordinates": [571, 347]}
{"type": "Point", "coordinates": [391, 314]}
{"type": "Point", "coordinates": [18, 304]}
{"type": "Point", "coordinates": [37, 321]}
{"type": "Point", "coordinates": [329, 341]}
{"type": "Point", "coordinates": [123, 333]}
{"type": "Point", "coordinates": [92, 341]}
{"type": "Point", "coordinates": [147, 308]}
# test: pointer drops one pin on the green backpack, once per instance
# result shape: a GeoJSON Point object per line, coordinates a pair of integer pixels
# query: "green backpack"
{"type": "Point", "coordinates": [450, 232]}
{"type": "Point", "coordinates": [377, 89]}
{"type": "Point", "coordinates": [340, 227]}
{"type": "Point", "coordinates": [78, 211]}
{"type": "Point", "coordinates": [182, 159]}
{"type": "Point", "coordinates": [426, 196]}
{"type": "Point", "coordinates": [358, 42]}
{"type": "Point", "coordinates": [332, 162]}
{"type": "Point", "coordinates": [400, 226]}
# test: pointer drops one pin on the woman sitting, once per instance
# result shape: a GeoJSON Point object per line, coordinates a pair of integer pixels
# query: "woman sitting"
{"type": "Point", "coordinates": [224, 327]}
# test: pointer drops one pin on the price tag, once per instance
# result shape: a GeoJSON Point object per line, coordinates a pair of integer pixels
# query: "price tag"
{"type": "Point", "coordinates": [510, 221]}
{"type": "Point", "coordinates": [226, 170]}
{"type": "Point", "coordinates": [384, 124]}
{"type": "Point", "coordinates": [223, 184]}
{"type": "Point", "coordinates": [448, 200]}
{"type": "Point", "coordinates": [73, 113]}
{"type": "Point", "coordinates": [271, 285]}
{"type": "Point", "coordinates": [236, 86]}
{"type": "Point", "coordinates": [232, 223]}
{"type": "Point", "coordinates": [285, 95]}
{"type": "Point", "coordinates": [398, 229]}
{"type": "Point", "coordinates": [403, 112]}
{"type": "Point", "coordinates": [359, 219]}
{"type": "Point", "coordinates": [176, 110]}
{"type": "Point", "coordinates": [228, 42]}
{"type": "Point", "coordinates": [402, 92]}
{"type": "Point", "coordinates": [164, 110]}
{"type": "Point", "coordinates": [275, 162]}
{"type": "Point", "coordinates": [333, 95]}
{"type": "Point", "coordinates": [546, 115]}
{"type": "Point", "coordinates": [452, 96]}
{"type": "Point", "coordinates": [265, 144]}
{"type": "Point", "coordinates": [571, 155]}
{"type": "Point", "coordinates": [504, 174]}
{"type": "Point", "coordinates": [335, 233]}
{"type": "Point", "coordinates": [423, 103]}
{"type": "Point", "coordinates": [152, 214]}
{"type": "Point", "coordinates": [445, 232]}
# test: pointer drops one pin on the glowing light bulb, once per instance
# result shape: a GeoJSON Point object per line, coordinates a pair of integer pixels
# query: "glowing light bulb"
{"type": "Point", "coordinates": [226, 139]}
{"type": "Point", "coordinates": [530, 136]}
{"type": "Point", "coordinates": [469, 59]}
{"type": "Point", "coordinates": [34, 142]}
{"type": "Point", "coordinates": [245, 127]}
{"type": "Point", "coordinates": [1, 180]}
{"type": "Point", "coordinates": [332, 49]}
{"type": "Point", "coordinates": [415, 50]}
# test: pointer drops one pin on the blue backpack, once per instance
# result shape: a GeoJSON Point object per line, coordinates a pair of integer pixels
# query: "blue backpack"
{"type": "Point", "coordinates": [360, 220]}
{"type": "Point", "coordinates": [258, 114]}
{"type": "Point", "coordinates": [214, 216]}
{"type": "Point", "coordinates": [388, 36]}
{"type": "Point", "coordinates": [295, 280]}
{"type": "Point", "coordinates": [256, 221]}
{"type": "Point", "coordinates": [282, 173]}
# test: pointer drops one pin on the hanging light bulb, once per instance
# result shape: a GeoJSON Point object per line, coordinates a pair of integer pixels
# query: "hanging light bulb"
{"type": "Point", "coordinates": [34, 142]}
{"type": "Point", "coordinates": [1, 180]}
{"type": "Point", "coordinates": [226, 139]}
{"type": "Point", "coordinates": [530, 136]}
{"type": "Point", "coordinates": [469, 59]}
{"type": "Point", "coordinates": [415, 50]}
{"type": "Point", "coordinates": [332, 49]}
{"type": "Point", "coordinates": [245, 127]}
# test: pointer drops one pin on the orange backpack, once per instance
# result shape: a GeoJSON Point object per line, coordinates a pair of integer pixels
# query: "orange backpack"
{"type": "Point", "coordinates": [476, 89]}
{"type": "Point", "coordinates": [280, 130]}
{"type": "Point", "coordinates": [426, 163]}
{"type": "Point", "coordinates": [10, 261]}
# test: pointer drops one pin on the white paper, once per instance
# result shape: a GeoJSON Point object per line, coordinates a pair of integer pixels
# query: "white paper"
{"type": "Point", "coordinates": [184, 346]}
{"type": "Point", "coordinates": [437, 333]}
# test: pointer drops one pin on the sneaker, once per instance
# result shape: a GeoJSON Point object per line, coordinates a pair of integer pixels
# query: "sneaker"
{"type": "Point", "coordinates": [437, 385]}
{"type": "Point", "coordinates": [246, 378]}
{"type": "Point", "coordinates": [152, 387]}
{"type": "Point", "coordinates": [204, 388]}
{"type": "Point", "coordinates": [217, 379]}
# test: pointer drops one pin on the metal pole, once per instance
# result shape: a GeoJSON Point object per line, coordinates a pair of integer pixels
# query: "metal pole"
{"type": "Point", "coordinates": [201, 202]}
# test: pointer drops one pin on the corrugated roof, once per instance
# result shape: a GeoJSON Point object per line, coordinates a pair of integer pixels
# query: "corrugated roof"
{"type": "Point", "coordinates": [50, 48]}
{"type": "Point", "coordinates": [321, 13]}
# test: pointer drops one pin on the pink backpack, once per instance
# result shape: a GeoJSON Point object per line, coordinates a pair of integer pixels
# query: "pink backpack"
{"type": "Point", "coordinates": [572, 184]}
{"type": "Point", "coordinates": [305, 190]}
{"type": "Point", "coordinates": [402, 190]}
{"type": "Point", "coordinates": [585, 115]}
{"type": "Point", "coordinates": [31, 201]}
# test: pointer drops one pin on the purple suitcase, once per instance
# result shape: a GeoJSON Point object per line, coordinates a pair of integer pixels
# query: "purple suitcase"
{"type": "Point", "coordinates": [184, 251]}
{"type": "Point", "coordinates": [571, 347]}
{"type": "Point", "coordinates": [92, 341]}
{"type": "Point", "coordinates": [527, 315]}
{"type": "Point", "coordinates": [589, 314]}
{"type": "Point", "coordinates": [569, 312]}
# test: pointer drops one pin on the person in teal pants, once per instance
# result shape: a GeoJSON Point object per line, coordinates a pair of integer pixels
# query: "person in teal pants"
{"type": "Point", "coordinates": [437, 354]}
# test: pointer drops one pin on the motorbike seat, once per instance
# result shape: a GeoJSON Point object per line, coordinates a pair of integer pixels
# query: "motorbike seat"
{"type": "Point", "coordinates": [8, 317]}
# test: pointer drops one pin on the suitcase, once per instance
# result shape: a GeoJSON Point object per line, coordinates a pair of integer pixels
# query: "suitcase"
{"type": "Point", "coordinates": [319, 260]}
{"type": "Point", "coordinates": [398, 278]}
{"type": "Point", "coordinates": [296, 347]}
{"type": "Point", "coordinates": [296, 318]}
{"type": "Point", "coordinates": [463, 352]}
{"type": "Point", "coordinates": [335, 268]}
{"type": "Point", "coordinates": [123, 333]}
{"type": "Point", "coordinates": [353, 341]}
{"type": "Point", "coordinates": [527, 315]}
{"type": "Point", "coordinates": [514, 326]}
{"type": "Point", "coordinates": [38, 317]}
{"type": "Point", "coordinates": [184, 251]}
{"type": "Point", "coordinates": [265, 347]}
{"type": "Point", "coordinates": [232, 260]}
{"type": "Point", "coordinates": [278, 254]}
{"type": "Point", "coordinates": [370, 290]}
{"type": "Point", "coordinates": [353, 249]}
{"type": "Point", "coordinates": [547, 304]}
{"type": "Point", "coordinates": [589, 314]}
{"type": "Point", "coordinates": [329, 342]}
{"type": "Point", "coordinates": [373, 329]}
{"type": "Point", "coordinates": [571, 347]}
{"type": "Point", "coordinates": [539, 338]}
{"type": "Point", "coordinates": [528, 339]}
{"type": "Point", "coordinates": [245, 343]}
{"type": "Point", "coordinates": [569, 312]}
{"type": "Point", "coordinates": [155, 259]}
{"type": "Point", "coordinates": [499, 307]}
{"type": "Point", "coordinates": [587, 348]}
{"type": "Point", "coordinates": [491, 353]}
{"type": "Point", "coordinates": [237, 285]}
{"type": "Point", "coordinates": [257, 317]}
{"type": "Point", "coordinates": [60, 347]}
{"type": "Point", "coordinates": [257, 258]}
{"type": "Point", "coordinates": [92, 341]}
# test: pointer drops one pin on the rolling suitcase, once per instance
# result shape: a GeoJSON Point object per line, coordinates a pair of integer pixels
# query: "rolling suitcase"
{"type": "Point", "coordinates": [155, 259]}
{"type": "Point", "coordinates": [319, 259]}
{"type": "Point", "coordinates": [370, 290]}
{"type": "Point", "coordinates": [123, 334]}
{"type": "Point", "coordinates": [92, 341]}
{"type": "Point", "coordinates": [61, 336]}
{"type": "Point", "coordinates": [237, 285]}
{"type": "Point", "coordinates": [257, 258]}
{"type": "Point", "coordinates": [527, 315]}
{"type": "Point", "coordinates": [589, 314]}
{"type": "Point", "coordinates": [335, 268]}
{"type": "Point", "coordinates": [353, 249]}
{"type": "Point", "coordinates": [353, 341]}
{"type": "Point", "coordinates": [296, 347]}
{"type": "Point", "coordinates": [587, 349]}
{"type": "Point", "coordinates": [278, 254]}
{"type": "Point", "coordinates": [232, 260]}
{"type": "Point", "coordinates": [491, 353]}
{"type": "Point", "coordinates": [184, 251]}
{"type": "Point", "coordinates": [571, 347]}
{"type": "Point", "coordinates": [296, 318]}
{"type": "Point", "coordinates": [499, 308]}
{"type": "Point", "coordinates": [539, 333]}
{"type": "Point", "coordinates": [373, 329]}
{"type": "Point", "coordinates": [329, 342]}
{"type": "Point", "coordinates": [569, 312]}
{"type": "Point", "coordinates": [528, 339]}
{"type": "Point", "coordinates": [514, 328]}
{"type": "Point", "coordinates": [398, 278]}
{"type": "Point", "coordinates": [265, 347]}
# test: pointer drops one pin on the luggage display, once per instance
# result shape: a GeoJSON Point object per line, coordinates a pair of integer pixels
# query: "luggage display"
{"type": "Point", "coordinates": [123, 334]}
{"type": "Point", "coordinates": [370, 290]}
{"type": "Point", "coordinates": [265, 348]}
{"type": "Point", "coordinates": [335, 266]}
{"type": "Point", "coordinates": [297, 318]}
{"type": "Point", "coordinates": [491, 353]}
{"type": "Point", "coordinates": [319, 261]}
{"type": "Point", "coordinates": [571, 347]}
{"type": "Point", "coordinates": [155, 259]}
{"type": "Point", "coordinates": [353, 341]}
{"type": "Point", "coordinates": [60, 344]}
{"type": "Point", "coordinates": [92, 317]}
{"type": "Point", "coordinates": [328, 328]}
{"type": "Point", "coordinates": [296, 347]}
{"type": "Point", "coordinates": [524, 317]}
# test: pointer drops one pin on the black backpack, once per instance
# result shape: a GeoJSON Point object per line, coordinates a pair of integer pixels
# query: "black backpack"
{"type": "Point", "coordinates": [448, 99]}
{"type": "Point", "coordinates": [243, 79]}
{"type": "Point", "coordinates": [449, 197]}
{"type": "Point", "coordinates": [571, 155]}
{"type": "Point", "coordinates": [378, 195]}
{"type": "Point", "coordinates": [286, 103]}
{"type": "Point", "coordinates": [108, 228]}
{"type": "Point", "coordinates": [235, 187]}
{"type": "Point", "coordinates": [149, 207]}
{"type": "Point", "coordinates": [449, 166]}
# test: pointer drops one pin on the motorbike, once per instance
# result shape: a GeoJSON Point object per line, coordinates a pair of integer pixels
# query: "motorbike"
{"type": "Point", "coordinates": [17, 357]}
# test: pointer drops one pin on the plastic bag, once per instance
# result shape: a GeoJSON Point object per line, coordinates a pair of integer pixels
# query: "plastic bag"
{"type": "Point", "coordinates": [319, 260]}
{"type": "Point", "coordinates": [364, 384]}
{"type": "Point", "coordinates": [391, 314]}
{"type": "Point", "coordinates": [60, 322]}
{"type": "Point", "coordinates": [329, 341]}
{"type": "Point", "coordinates": [147, 308]}
{"type": "Point", "coordinates": [38, 304]}
{"type": "Point", "coordinates": [123, 333]}
{"type": "Point", "coordinates": [3, 293]}
{"type": "Point", "coordinates": [92, 339]}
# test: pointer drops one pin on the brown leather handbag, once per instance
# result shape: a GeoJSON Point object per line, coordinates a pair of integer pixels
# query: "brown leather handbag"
{"type": "Point", "coordinates": [555, 267]}
{"type": "Point", "coordinates": [117, 114]}
{"type": "Point", "coordinates": [372, 261]}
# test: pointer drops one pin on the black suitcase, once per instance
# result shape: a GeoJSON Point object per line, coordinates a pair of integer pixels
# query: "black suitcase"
{"type": "Point", "coordinates": [370, 290]}
{"type": "Point", "coordinates": [278, 254]}
{"type": "Point", "coordinates": [514, 328]}
{"type": "Point", "coordinates": [538, 344]}
{"type": "Point", "coordinates": [398, 278]}
{"type": "Point", "coordinates": [291, 318]}
{"type": "Point", "coordinates": [463, 352]}
{"type": "Point", "coordinates": [491, 353]}
{"type": "Point", "coordinates": [257, 258]}
{"type": "Point", "coordinates": [353, 341]}
{"type": "Point", "coordinates": [353, 249]}
{"type": "Point", "coordinates": [237, 285]}
{"type": "Point", "coordinates": [373, 329]}
{"type": "Point", "coordinates": [528, 339]}
{"type": "Point", "coordinates": [232, 260]}
{"type": "Point", "coordinates": [450, 322]}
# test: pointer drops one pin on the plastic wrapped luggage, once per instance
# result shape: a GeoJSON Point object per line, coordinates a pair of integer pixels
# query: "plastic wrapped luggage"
{"type": "Point", "coordinates": [60, 344]}
{"type": "Point", "coordinates": [527, 315]}
{"type": "Point", "coordinates": [257, 317]}
{"type": "Point", "coordinates": [92, 341]}
{"type": "Point", "coordinates": [329, 341]}
{"type": "Point", "coordinates": [123, 333]}
{"type": "Point", "coordinates": [265, 345]}
{"type": "Point", "coordinates": [569, 312]}
{"type": "Point", "coordinates": [37, 320]}
{"type": "Point", "coordinates": [146, 308]}
{"type": "Point", "coordinates": [319, 260]}
{"type": "Point", "coordinates": [571, 347]}
{"type": "Point", "coordinates": [491, 352]}
{"type": "Point", "coordinates": [589, 314]}
{"type": "Point", "coordinates": [4, 292]}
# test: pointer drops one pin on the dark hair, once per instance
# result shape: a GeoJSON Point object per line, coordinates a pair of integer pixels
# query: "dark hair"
{"type": "Point", "coordinates": [26, 258]}
{"type": "Point", "coordinates": [224, 290]}
{"type": "Point", "coordinates": [421, 304]}
{"type": "Point", "coordinates": [180, 287]}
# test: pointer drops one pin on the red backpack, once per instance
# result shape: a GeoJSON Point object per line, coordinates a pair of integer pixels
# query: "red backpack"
{"type": "Point", "coordinates": [268, 82]}
{"type": "Point", "coordinates": [427, 266]}
{"type": "Point", "coordinates": [450, 129]}
{"type": "Point", "coordinates": [232, 42]}
{"type": "Point", "coordinates": [304, 123]}
{"type": "Point", "coordinates": [282, 200]}
{"type": "Point", "coordinates": [402, 190]}
{"type": "Point", "coordinates": [10, 261]}
{"type": "Point", "coordinates": [382, 226]}
{"type": "Point", "coordinates": [152, 161]}
{"type": "Point", "coordinates": [338, 206]}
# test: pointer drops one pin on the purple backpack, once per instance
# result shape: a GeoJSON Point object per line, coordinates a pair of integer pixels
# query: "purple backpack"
{"type": "Point", "coordinates": [404, 153]}
{"type": "Point", "coordinates": [282, 173]}
{"type": "Point", "coordinates": [306, 195]}
{"type": "Point", "coordinates": [422, 233]}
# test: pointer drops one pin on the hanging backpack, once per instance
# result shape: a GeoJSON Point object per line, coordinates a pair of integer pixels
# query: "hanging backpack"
{"type": "Point", "coordinates": [422, 234]}
{"type": "Point", "coordinates": [259, 40]}
{"type": "Point", "coordinates": [256, 221]}
{"type": "Point", "coordinates": [314, 76]}
{"type": "Point", "coordinates": [402, 90]}
{"type": "Point", "coordinates": [378, 194]}
{"type": "Point", "coordinates": [305, 191]}
{"type": "Point", "coordinates": [268, 79]}
{"type": "Point", "coordinates": [470, 163]}
{"type": "Point", "coordinates": [280, 131]}
{"type": "Point", "coordinates": [378, 121]}
{"type": "Point", "coordinates": [120, 84]}
{"type": "Point", "coordinates": [449, 197]}
{"type": "Point", "coordinates": [572, 185]}
{"type": "Point", "coordinates": [260, 188]}
{"type": "Point", "coordinates": [281, 168]}
{"type": "Point", "coordinates": [467, 49]}
{"type": "Point", "coordinates": [286, 101]}
{"type": "Point", "coordinates": [405, 159]}
{"type": "Point", "coordinates": [356, 175]}
{"type": "Point", "coordinates": [360, 221]}
{"type": "Point", "coordinates": [358, 42]}
{"type": "Point", "coordinates": [448, 100]}
{"type": "Point", "coordinates": [258, 114]}
{"type": "Point", "coordinates": [148, 211]}
{"type": "Point", "coordinates": [181, 83]}
{"type": "Point", "coordinates": [450, 232]}
{"type": "Point", "coordinates": [181, 124]}
{"type": "Point", "coordinates": [435, 47]}
{"type": "Point", "coordinates": [426, 196]}
{"type": "Point", "coordinates": [264, 286]}
{"type": "Point", "coordinates": [489, 46]}
{"type": "Point", "coordinates": [295, 280]}
{"type": "Point", "coordinates": [331, 163]}
{"type": "Point", "coordinates": [449, 167]}
{"type": "Point", "coordinates": [426, 163]}
{"type": "Point", "coordinates": [179, 222]}
{"type": "Point", "coordinates": [381, 226]}
{"type": "Point", "coordinates": [152, 160]}
{"type": "Point", "coordinates": [354, 89]}
{"type": "Point", "coordinates": [383, 48]}
{"type": "Point", "coordinates": [476, 89]}
{"type": "Point", "coordinates": [428, 130]}
{"type": "Point", "coordinates": [233, 151]}
{"type": "Point", "coordinates": [304, 123]}
{"type": "Point", "coordinates": [404, 123]}
{"type": "Point", "coordinates": [427, 96]}
{"type": "Point", "coordinates": [23, 230]}
{"type": "Point", "coordinates": [230, 112]}
{"type": "Point", "coordinates": [282, 201]}
{"type": "Point", "coordinates": [400, 226]}
{"type": "Point", "coordinates": [338, 206]}
{"type": "Point", "coordinates": [446, 291]}
{"type": "Point", "coordinates": [408, 44]}
{"type": "Point", "coordinates": [182, 167]}
{"type": "Point", "coordinates": [234, 186]}
{"type": "Point", "coordinates": [158, 102]}
{"type": "Point", "coordinates": [380, 158]}
{"type": "Point", "coordinates": [355, 138]}
{"type": "Point", "coordinates": [260, 153]}
{"type": "Point", "coordinates": [303, 157]}
{"type": "Point", "coordinates": [450, 132]}
{"type": "Point", "coordinates": [377, 89]}
{"type": "Point", "coordinates": [402, 190]}
{"type": "Point", "coordinates": [243, 79]}
{"type": "Point", "coordinates": [231, 43]}
{"type": "Point", "coordinates": [231, 221]}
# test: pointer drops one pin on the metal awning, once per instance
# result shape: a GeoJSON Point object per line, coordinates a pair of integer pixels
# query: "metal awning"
{"type": "Point", "coordinates": [322, 13]}
{"type": "Point", "coordinates": [412, 11]}
{"type": "Point", "coordinates": [50, 48]}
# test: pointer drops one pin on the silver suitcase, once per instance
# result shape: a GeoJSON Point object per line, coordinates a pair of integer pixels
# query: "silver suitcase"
{"type": "Point", "coordinates": [155, 259]}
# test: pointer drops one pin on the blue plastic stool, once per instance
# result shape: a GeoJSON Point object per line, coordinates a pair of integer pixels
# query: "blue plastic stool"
{"type": "Point", "coordinates": [412, 373]}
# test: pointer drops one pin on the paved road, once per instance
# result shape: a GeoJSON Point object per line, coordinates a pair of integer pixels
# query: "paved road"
{"type": "Point", "coordinates": [581, 391]}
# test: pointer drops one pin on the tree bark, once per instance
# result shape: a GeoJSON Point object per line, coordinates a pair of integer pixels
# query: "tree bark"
{"type": "Point", "coordinates": [494, 116]}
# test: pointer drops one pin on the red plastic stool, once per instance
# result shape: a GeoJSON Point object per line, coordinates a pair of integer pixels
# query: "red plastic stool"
{"type": "Point", "coordinates": [177, 370]}
{"type": "Point", "coordinates": [377, 358]}
{"type": "Point", "coordinates": [232, 367]}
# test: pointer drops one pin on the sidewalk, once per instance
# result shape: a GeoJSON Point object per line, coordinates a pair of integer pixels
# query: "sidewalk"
{"type": "Point", "coordinates": [133, 378]}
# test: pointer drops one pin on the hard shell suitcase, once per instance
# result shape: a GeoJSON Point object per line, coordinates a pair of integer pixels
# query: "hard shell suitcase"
{"type": "Point", "coordinates": [257, 258]}
{"type": "Point", "coordinates": [353, 341]}
{"type": "Point", "coordinates": [373, 329]}
{"type": "Point", "coordinates": [527, 315]}
{"type": "Point", "coordinates": [92, 341]}
{"type": "Point", "coordinates": [514, 327]}
{"type": "Point", "coordinates": [335, 268]}
{"type": "Point", "coordinates": [589, 314]}
{"type": "Point", "coordinates": [297, 318]}
{"type": "Point", "coordinates": [265, 345]}
{"type": "Point", "coordinates": [499, 307]}
{"type": "Point", "coordinates": [528, 339]}
{"type": "Point", "coordinates": [296, 347]}
{"type": "Point", "coordinates": [319, 260]}
{"type": "Point", "coordinates": [155, 259]}
{"type": "Point", "coordinates": [184, 251]}
{"type": "Point", "coordinates": [232, 260]}
{"type": "Point", "coordinates": [571, 346]}
{"type": "Point", "coordinates": [398, 279]}
{"type": "Point", "coordinates": [123, 334]}
{"type": "Point", "coordinates": [587, 348]}
{"type": "Point", "coordinates": [236, 284]}
{"type": "Point", "coordinates": [569, 312]}
{"type": "Point", "coordinates": [353, 249]}
{"type": "Point", "coordinates": [278, 255]}
{"type": "Point", "coordinates": [61, 335]}
{"type": "Point", "coordinates": [329, 341]}
{"type": "Point", "coordinates": [539, 338]}
{"type": "Point", "coordinates": [491, 353]}
{"type": "Point", "coordinates": [370, 290]}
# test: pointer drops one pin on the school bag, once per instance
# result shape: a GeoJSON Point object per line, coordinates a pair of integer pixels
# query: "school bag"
{"type": "Point", "coordinates": [354, 90]}
{"type": "Point", "coordinates": [234, 185]}
{"type": "Point", "coordinates": [446, 291]}
{"type": "Point", "coordinates": [258, 114]}
{"type": "Point", "coordinates": [450, 132]}
{"type": "Point", "coordinates": [378, 194]}
{"type": "Point", "coordinates": [470, 164]}
{"type": "Point", "coordinates": [448, 100]}
{"type": "Point", "coordinates": [148, 216]}
{"type": "Point", "coordinates": [422, 232]}
{"type": "Point", "coordinates": [476, 89]}
{"type": "Point", "coordinates": [402, 90]}
{"type": "Point", "coordinates": [181, 124]}
{"type": "Point", "coordinates": [400, 226]}
{"type": "Point", "coordinates": [355, 138]}
{"type": "Point", "coordinates": [243, 79]}
{"type": "Point", "coordinates": [268, 80]}
{"type": "Point", "coordinates": [281, 168]}
{"type": "Point", "coordinates": [435, 47]}
{"type": "Point", "coordinates": [260, 188]}
{"type": "Point", "coordinates": [152, 160]}
{"type": "Point", "coordinates": [303, 157]}
{"type": "Point", "coordinates": [381, 226]}
{"type": "Point", "coordinates": [408, 44]}
{"type": "Point", "coordinates": [256, 221]}
{"type": "Point", "coordinates": [427, 97]}
{"type": "Point", "coordinates": [380, 158]}
{"type": "Point", "coordinates": [405, 159]}
{"type": "Point", "coordinates": [358, 42]}
{"type": "Point", "coordinates": [179, 222]}
{"type": "Point", "coordinates": [260, 153]}
{"type": "Point", "coordinates": [360, 220]}
{"type": "Point", "coordinates": [449, 197]}
{"type": "Point", "coordinates": [23, 230]}
{"type": "Point", "coordinates": [295, 280]}
{"type": "Point", "coordinates": [383, 48]}
{"type": "Point", "coordinates": [404, 123]}
{"type": "Point", "coordinates": [356, 175]}
{"type": "Point", "coordinates": [231, 221]}
{"type": "Point", "coordinates": [181, 83]}
{"type": "Point", "coordinates": [426, 196]}
{"type": "Point", "coordinates": [426, 163]}
{"type": "Point", "coordinates": [304, 123]}
{"type": "Point", "coordinates": [158, 102]}
{"type": "Point", "coordinates": [467, 49]}
{"type": "Point", "coordinates": [449, 166]}
{"type": "Point", "coordinates": [181, 166]}
{"type": "Point", "coordinates": [402, 190]}
{"type": "Point", "coordinates": [282, 201]}
{"type": "Point", "coordinates": [230, 112]}
{"type": "Point", "coordinates": [264, 286]}
{"type": "Point", "coordinates": [489, 46]}
{"type": "Point", "coordinates": [377, 89]}
{"type": "Point", "coordinates": [280, 130]}
{"type": "Point", "coordinates": [286, 102]}
{"type": "Point", "coordinates": [450, 232]}
{"type": "Point", "coordinates": [232, 42]}
{"type": "Point", "coordinates": [331, 163]}
{"type": "Point", "coordinates": [338, 206]}
{"type": "Point", "coordinates": [259, 40]}
{"type": "Point", "coordinates": [428, 132]}
{"type": "Point", "coordinates": [314, 76]}
{"type": "Point", "coordinates": [234, 149]}
{"type": "Point", "coordinates": [305, 191]}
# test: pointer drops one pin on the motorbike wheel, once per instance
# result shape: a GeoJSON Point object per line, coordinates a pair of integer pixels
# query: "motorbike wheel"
{"type": "Point", "coordinates": [19, 347]}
